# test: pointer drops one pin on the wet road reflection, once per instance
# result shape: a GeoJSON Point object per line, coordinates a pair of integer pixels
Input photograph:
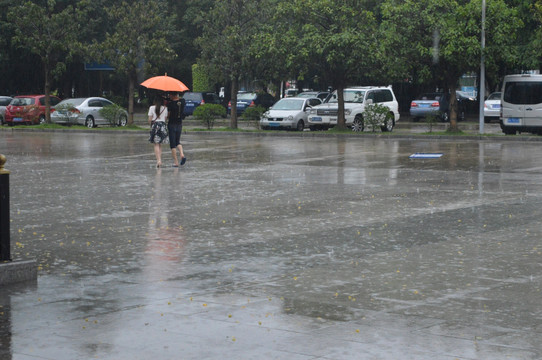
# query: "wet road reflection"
{"type": "Point", "coordinates": [305, 237]}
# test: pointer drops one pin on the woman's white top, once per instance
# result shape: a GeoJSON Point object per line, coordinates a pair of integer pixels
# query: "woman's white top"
{"type": "Point", "coordinates": [163, 113]}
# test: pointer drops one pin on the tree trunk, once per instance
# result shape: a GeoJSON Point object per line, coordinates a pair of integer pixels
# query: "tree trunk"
{"type": "Point", "coordinates": [341, 122]}
{"type": "Point", "coordinates": [453, 106]}
{"type": "Point", "coordinates": [233, 115]}
{"type": "Point", "coordinates": [131, 87]}
{"type": "Point", "coordinates": [47, 93]}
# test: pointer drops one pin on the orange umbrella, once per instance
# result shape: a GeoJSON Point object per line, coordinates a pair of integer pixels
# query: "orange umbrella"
{"type": "Point", "coordinates": [164, 83]}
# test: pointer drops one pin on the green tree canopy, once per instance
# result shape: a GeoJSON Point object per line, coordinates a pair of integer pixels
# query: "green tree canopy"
{"type": "Point", "coordinates": [138, 42]}
{"type": "Point", "coordinates": [228, 29]}
{"type": "Point", "coordinates": [441, 38]}
{"type": "Point", "coordinates": [339, 38]}
{"type": "Point", "coordinates": [47, 32]}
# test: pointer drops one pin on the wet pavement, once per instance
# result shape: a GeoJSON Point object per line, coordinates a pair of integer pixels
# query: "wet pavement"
{"type": "Point", "coordinates": [274, 247]}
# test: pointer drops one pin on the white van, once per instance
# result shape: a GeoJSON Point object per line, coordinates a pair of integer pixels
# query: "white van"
{"type": "Point", "coordinates": [521, 104]}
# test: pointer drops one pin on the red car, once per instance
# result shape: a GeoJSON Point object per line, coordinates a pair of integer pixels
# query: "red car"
{"type": "Point", "coordinates": [27, 109]}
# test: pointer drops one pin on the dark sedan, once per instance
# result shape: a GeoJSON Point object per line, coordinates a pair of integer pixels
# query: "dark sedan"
{"type": "Point", "coordinates": [195, 99]}
{"type": "Point", "coordinates": [251, 99]}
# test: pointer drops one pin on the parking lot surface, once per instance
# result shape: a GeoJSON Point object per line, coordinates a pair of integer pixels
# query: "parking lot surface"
{"type": "Point", "coordinates": [274, 247]}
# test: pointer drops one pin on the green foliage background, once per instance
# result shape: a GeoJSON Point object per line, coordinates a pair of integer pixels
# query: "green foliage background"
{"type": "Point", "coordinates": [200, 79]}
{"type": "Point", "coordinates": [260, 43]}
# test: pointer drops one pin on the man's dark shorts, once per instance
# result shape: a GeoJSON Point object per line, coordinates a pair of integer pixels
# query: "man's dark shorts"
{"type": "Point", "coordinates": [175, 135]}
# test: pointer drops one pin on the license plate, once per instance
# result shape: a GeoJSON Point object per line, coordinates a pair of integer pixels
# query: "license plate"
{"type": "Point", "coordinates": [17, 119]}
{"type": "Point", "coordinates": [316, 118]}
{"type": "Point", "coordinates": [513, 120]}
{"type": "Point", "coordinates": [497, 106]}
{"type": "Point", "coordinates": [274, 124]}
{"type": "Point", "coordinates": [424, 105]}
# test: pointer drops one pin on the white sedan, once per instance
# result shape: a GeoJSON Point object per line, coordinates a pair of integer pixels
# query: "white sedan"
{"type": "Point", "coordinates": [288, 113]}
{"type": "Point", "coordinates": [88, 112]}
{"type": "Point", "coordinates": [492, 107]}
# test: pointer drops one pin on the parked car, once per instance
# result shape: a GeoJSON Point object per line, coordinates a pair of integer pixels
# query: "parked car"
{"type": "Point", "coordinates": [4, 102]}
{"type": "Point", "coordinates": [492, 107]}
{"type": "Point", "coordinates": [291, 92]}
{"type": "Point", "coordinates": [195, 99]}
{"type": "Point", "coordinates": [28, 109]}
{"type": "Point", "coordinates": [86, 111]}
{"type": "Point", "coordinates": [251, 99]}
{"type": "Point", "coordinates": [521, 104]}
{"type": "Point", "coordinates": [324, 116]}
{"type": "Point", "coordinates": [289, 113]}
{"type": "Point", "coordinates": [466, 104]}
{"type": "Point", "coordinates": [322, 95]}
{"type": "Point", "coordinates": [430, 104]}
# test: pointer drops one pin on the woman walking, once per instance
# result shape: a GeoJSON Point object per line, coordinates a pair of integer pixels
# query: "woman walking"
{"type": "Point", "coordinates": [175, 108]}
{"type": "Point", "coordinates": [157, 119]}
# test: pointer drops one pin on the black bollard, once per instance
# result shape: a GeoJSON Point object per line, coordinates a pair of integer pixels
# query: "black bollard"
{"type": "Point", "coordinates": [5, 254]}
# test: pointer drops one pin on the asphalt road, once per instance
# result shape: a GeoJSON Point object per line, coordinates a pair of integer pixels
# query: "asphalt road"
{"type": "Point", "coordinates": [274, 247]}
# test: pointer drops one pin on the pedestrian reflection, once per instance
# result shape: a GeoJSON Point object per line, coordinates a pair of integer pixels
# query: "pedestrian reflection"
{"type": "Point", "coordinates": [165, 239]}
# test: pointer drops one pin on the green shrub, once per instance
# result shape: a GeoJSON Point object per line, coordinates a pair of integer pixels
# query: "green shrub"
{"type": "Point", "coordinates": [253, 114]}
{"type": "Point", "coordinates": [114, 114]}
{"type": "Point", "coordinates": [375, 115]}
{"type": "Point", "coordinates": [432, 119]}
{"type": "Point", "coordinates": [208, 113]}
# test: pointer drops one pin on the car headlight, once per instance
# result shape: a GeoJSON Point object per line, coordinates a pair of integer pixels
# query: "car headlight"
{"type": "Point", "coordinates": [313, 111]}
{"type": "Point", "coordinates": [290, 118]}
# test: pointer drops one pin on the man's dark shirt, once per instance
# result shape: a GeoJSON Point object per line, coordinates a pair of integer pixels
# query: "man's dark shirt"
{"type": "Point", "coordinates": [175, 109]}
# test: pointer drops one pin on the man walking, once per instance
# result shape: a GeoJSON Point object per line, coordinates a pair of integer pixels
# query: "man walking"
{"type": "Point", "coordinates": [175, 127]}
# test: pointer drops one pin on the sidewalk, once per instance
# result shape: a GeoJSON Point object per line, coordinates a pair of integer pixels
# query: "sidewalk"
{"type": "Point", "coordinates": [404, 125]}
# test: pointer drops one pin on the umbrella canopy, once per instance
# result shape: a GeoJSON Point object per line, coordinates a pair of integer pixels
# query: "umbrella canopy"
{"type": "Point", "coordinates": [164, 83]}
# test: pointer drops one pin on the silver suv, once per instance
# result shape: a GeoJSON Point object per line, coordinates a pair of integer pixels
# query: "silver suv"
{"type": "Point", "coordinates": [323, 117]}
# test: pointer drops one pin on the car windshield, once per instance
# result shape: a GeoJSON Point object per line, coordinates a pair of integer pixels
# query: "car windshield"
{"type": "Point", "coordinates": [464, 95]}
{"type": "Point", "coordinates": [288, 104]}
{"type": "Point", "coordinates": [350, 96]}
{"type": "Point", "coordinates": [246, 96]}
{"type": "Point", "coordinates": [430, 96]}
{"type": "Point", "coordinates": [494, 96]}
{"type": "Point", "coordinates": [192, 97]}
{"type": "Point", "coordinates": [306, 95]}
{"type": "Point", "coordinates": [22, 101]}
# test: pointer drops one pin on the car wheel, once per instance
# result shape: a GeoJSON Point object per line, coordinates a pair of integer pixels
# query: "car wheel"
{"type": "Point", "coordinates": [123, 121]}
{"type": "Point", "coordinates": [388, 123]}
{"type": "Point", "coordinates": [300, 125]}
{"type": "Point", "coordinates": [89, 122]}
{"type": "Point", "coordinates": [42, 119]}
{"type": "Point", "coordinates": [358, 124]}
